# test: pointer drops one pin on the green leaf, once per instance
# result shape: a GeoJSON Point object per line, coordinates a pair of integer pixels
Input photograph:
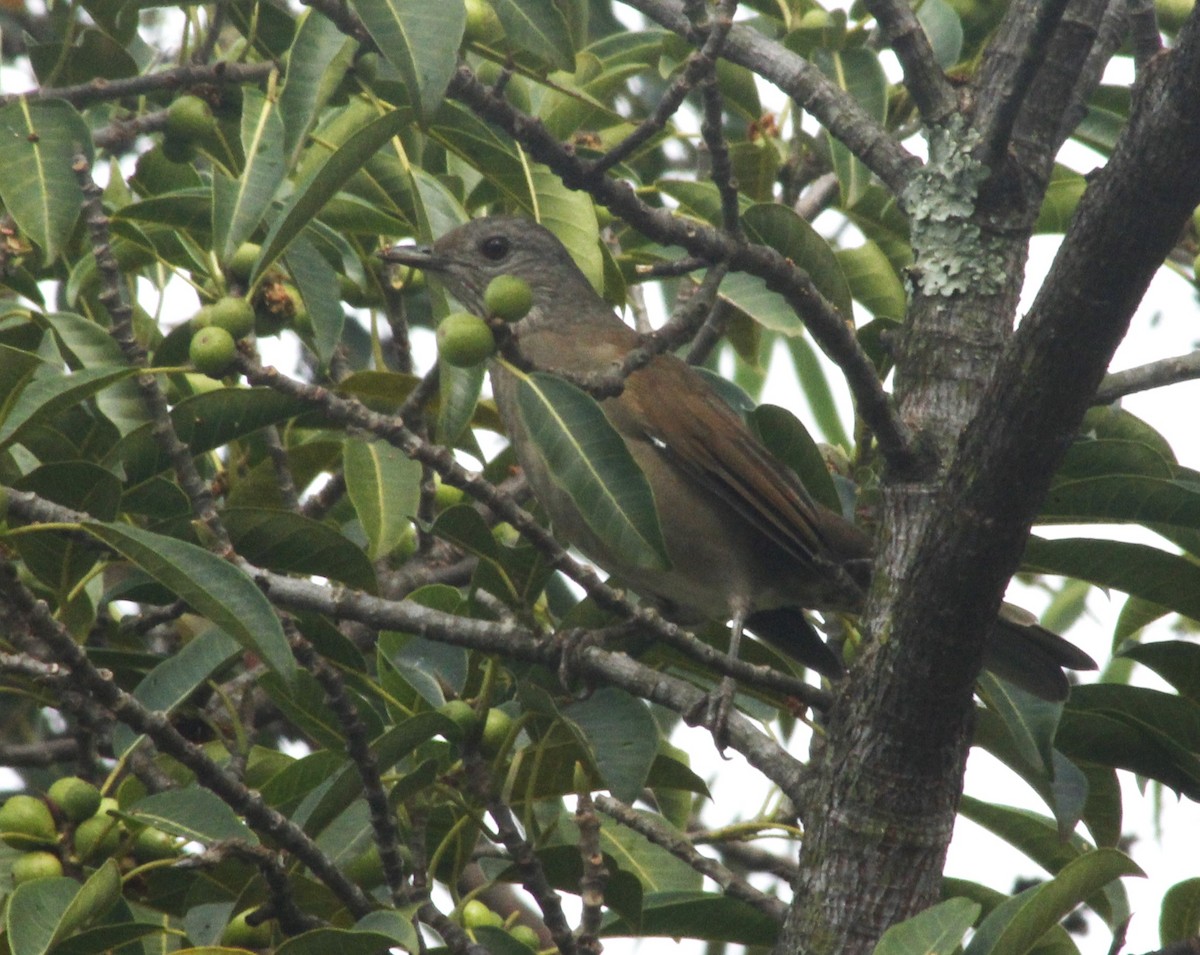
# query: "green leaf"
{"type": "Point", "coordinates": [239, 204]}
{"type": "Point", "coordinates": [385, 488]}
{"type": "Point", "coordinates": [92, 347]}
{"type": "Point", "coordinates": [1016, 930]}
{"type": "Point", "coordinates": [1031, 833]}
{"type": "Point", "coordinates": [1111, 734]}
{"type": "Point", "coordinates": [177, 677]}
{"type": "Point", "coordinates": [1058, 205]}
{"type": "Point", "coordinates": [497, 571]}
{"type": "Point", "coordinates": [421, 40]}
{"type": "Point", "coordinates": [856, 70]}
{"type": "Point", "coordinates": [944, 29]}
{"type": "Point", "coordinates": [40, 140]}
{"type": "Point", "coordinates": [213, 587]}
{"type": "Point", "coordinates": [1176, 661]}
{"type": "Point", "coordinates": [1030, 722]}
{"type": "Point", "coordinates": [818, 391]}
{"type": "Point", "coordinates": [623, 737]}
{"type": "Point", "coordinates": [310, 81]}
{"type": "Point", "coordinates": [34, 914]}
{"type": "Point", "coordinates": [1180, 916]}
{"type": "Point", "coordinates": [458, 396]}
{"type": "Point", "coordinates": [356, 941]}
{"type": "Point", "coordinates": [192, 813]}
{"type": "Point", "coordinates": [792, 237]}
{"type": "Point", "coordinates": [538, 27]}
{"type": "Point", "coordinates": [591, 463]}
{"type": "Point", "coordinates": [1129, 498]}
{"type": "Point", "coordinates": [317, 283]}
{"type": "Point", "coordinates": [873, 281]}
{"type": "Point", "coordinates": [939, 930]}
{"type": "Point", "coordinates": [43, 912]}
{"type": "Point", "coordinates": [203, 422]}
{"type": "Point", "coordinates": [715, 918]}
{"type": "Point", "coordinates": [789, 440]}
{"type": "Point", "coordinates": [1136, 569]}
{"type": "Point", "coordinates": [48, 396]}
{"type": "Point", "coordinates": [323, 183]}
{"type": "Point", "coordinates": [571, 216]}
{"type": "Point", "coordinates": [290, 543]}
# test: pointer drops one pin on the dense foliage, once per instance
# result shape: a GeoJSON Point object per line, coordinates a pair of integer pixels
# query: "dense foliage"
{"type": "Point", "coordinates": [333, 686]}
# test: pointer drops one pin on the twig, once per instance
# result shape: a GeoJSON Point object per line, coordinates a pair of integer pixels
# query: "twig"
{"type": "Point", "coordinates": [34, 622]}
{"type": "Point", "coordinates": [833, 107]}
{"type": "Point", "coordinates": [595, 874]}
{"type": "Point", "coordinates": [678, 844]}
{"type": "Point", "coordinates": [1158, 374]}
{"type": "Point", "coordinates": [923, 78]}
{"type": "Point", "coordinates": [114, 296]}
{"type": "Point", "coordinates": [180, 77]}
{"type": "Point", "coordinates": [529, 867]}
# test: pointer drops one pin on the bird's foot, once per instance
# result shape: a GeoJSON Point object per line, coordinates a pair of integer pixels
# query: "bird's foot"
{"type": "Point", "coordinates": [570, 674]}
{"type": "Point", "coordinates": [712, 712]}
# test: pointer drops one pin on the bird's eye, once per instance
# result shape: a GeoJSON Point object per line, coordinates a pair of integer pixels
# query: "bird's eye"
{"type": "Point", "coordinates": [495, 247]}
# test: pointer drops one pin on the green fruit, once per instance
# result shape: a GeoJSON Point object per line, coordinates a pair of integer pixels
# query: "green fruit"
{"type": "Point", "coordinates": [152, 844]}
{"type": "Point", "coordinates": [240, 934]}
{"type": "Point", "coordinates": [477, 915]}
{"type": "Point", "coordinates": [461, 713]}
{"type": "Point", "coordinates": [178, 150]}
{"type": "Point", "coordinates": [36, 865]}
{"type": "Point", "coordinates": [447, 495]}
{"type": "Point", "coordinates": [97, 838]}
{"type": "Point", "coordinates": [235, 315]}
{"type": "Point", "coordinates": [464, 340]}
{"type": "Point", "coordinates": [1196, 267]}
{"type": "Point", "coordinates": [190, 118]}
{"type": "Point", "coordinates": [366, 870]}
{"type": "Point", "coordinates": [526, 936]}
{"type": "Point", "coordinates": [242, 261]}
{"type": "Point", "coordinates": [26, 823]}
{"type": "Point", "coordinates": [77, 798]}
{"type": "Point", "coordinates": [483, 26]}
{"type": "Point", "coordinates": [508, 297]}
{"type": "Point", "coordinates": [3, 502]}
{"type": "Point", "coordinates": [212, 351]}
{"type": "Point", "coordinates": [495, 731]}
{"type": "Point", "coordinates": [367, 67]}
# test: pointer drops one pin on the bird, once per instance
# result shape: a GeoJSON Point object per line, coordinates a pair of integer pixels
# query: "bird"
{"type": "Point", "coordinates": [747, 543]}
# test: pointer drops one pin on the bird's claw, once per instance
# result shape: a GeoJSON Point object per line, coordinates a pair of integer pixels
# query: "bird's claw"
{"type": "Point", "coordinates": [712, 712]}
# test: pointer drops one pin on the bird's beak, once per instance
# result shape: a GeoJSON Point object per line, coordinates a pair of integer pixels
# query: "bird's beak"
{"type": "Point", "coordinates": [415, 256]}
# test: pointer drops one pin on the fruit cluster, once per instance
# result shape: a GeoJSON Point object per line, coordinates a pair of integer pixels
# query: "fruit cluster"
{"type": "Point", "coordinates": [73, 827]}
{"type": "Point", "coordinates": [464, 339]}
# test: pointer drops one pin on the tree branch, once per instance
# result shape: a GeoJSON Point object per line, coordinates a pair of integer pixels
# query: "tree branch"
{"type": "Point", "coordinates": [836, 110]}
{"type": "Point", "coordinates": [1158, 374]}
{"type": "Point", "coordinates": [923, 78]}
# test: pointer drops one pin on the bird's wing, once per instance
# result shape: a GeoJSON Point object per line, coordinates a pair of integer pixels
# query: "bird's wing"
{"type": "Point", "coordinates": [681, 414]}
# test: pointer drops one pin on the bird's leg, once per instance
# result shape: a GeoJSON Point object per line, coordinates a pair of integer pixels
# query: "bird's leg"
{"type": "Point", "coordinates": [713, 710]}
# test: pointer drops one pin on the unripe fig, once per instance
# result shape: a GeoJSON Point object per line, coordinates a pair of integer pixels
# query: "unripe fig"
{"type": "Point", "coordinates": [212, 351]}
{"type": "Point", "coordinates": [36, 865]}
{"type": "Point", "coordinates": [464, 340]}
{"type": "Point", "coordinates": [508, 297]}
{"type": "Point", "coordinates": [189, 118]}
{"type": "Point", "coordinates": [77, 798]}
{"type": "Point", "coordinates": [26, 823]}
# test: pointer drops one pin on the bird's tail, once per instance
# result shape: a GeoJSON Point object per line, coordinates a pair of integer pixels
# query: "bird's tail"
{"type": "Point", "coordinates": [1023, 652]}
